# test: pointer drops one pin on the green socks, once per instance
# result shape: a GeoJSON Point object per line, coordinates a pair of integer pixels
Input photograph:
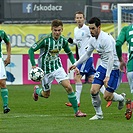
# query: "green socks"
{"type": "Point", "coordinates": [39, 91]}
{"type": "Point", "coordinates": [4, 94]}
{"type": "Point", "coordinates": [72, 99]}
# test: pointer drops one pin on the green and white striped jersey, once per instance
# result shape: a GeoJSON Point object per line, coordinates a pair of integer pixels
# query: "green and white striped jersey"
{"type": "Point", "coordinates": [126, 34]}
{"type": "Point", "coordinates": [49, 59]}
{"type": "Point", "coordinates": [4, 37]}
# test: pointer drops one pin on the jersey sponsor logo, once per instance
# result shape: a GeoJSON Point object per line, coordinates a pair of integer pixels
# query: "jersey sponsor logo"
{"type": "Point", "coordinates": [27, 7]}
{"type": "Point", "coordinates": [54, 52]}
{"type": "Point", "coordinates": [51, 58]}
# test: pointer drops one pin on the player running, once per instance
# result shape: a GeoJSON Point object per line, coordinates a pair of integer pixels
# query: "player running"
{"type": "Point", "coordinates": [107, 73]}
{"type": "Point", "coordinates": [81, 37]}
{"type": "Point", "coordinates": [50, 62]}
{"type": "Point", "coordinates": [126, 34]}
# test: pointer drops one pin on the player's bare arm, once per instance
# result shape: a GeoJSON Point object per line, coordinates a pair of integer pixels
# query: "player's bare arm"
{"type": "Point", "coordinates": [8, 48]}
{"type": "Point", "coordinates": [122, 65]}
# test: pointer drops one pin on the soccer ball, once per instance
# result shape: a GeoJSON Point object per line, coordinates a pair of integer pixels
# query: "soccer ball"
{"type": "Point", "coordinates": [36, 74]}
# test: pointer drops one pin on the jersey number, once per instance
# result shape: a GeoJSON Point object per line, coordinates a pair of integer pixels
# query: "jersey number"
{"type": "Point", "coordinates": [97, 74]}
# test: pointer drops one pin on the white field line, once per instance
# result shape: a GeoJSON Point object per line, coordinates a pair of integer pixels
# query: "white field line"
{"type": "Point", "coordinates": [43, 115]}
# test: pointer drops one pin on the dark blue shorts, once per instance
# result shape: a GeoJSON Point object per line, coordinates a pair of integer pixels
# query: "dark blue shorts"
{"type": "Point", "coordinates": [113, 81]}
{"type": "Point", "coordinates": [87, 68]}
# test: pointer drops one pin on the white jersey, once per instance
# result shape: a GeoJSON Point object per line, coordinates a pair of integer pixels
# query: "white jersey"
{"type": "Point", "coordinates": [81, 37]}
{"type": "Point", "coordinates": [105, 44]}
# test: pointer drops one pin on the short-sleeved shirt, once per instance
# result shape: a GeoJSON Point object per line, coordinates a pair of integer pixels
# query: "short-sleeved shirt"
{"type": "Point", "coordinates": [4, 37]}
{"type": "Point", "coordinates": [81, 37]}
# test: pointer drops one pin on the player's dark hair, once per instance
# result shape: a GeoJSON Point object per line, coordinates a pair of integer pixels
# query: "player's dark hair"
{"type": "Point", "coordinates": [56, 23]}
{"type": "Point", "coordinates": [79, 12]}
{"type": "Point", "coordinates": [95, 21]}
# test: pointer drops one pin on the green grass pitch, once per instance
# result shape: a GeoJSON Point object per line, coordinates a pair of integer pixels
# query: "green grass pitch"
{"type": "Point", "coordinates": [52, 116]}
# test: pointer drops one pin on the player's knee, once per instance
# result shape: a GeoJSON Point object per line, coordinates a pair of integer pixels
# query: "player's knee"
{"type": "Point", "coordinates": [93, 91]}
{"type": "Point", "coordinates": [66, 84]}
{"type": "Point", "coordinates": [2, 84]}
{"type": "Point", "coordinates": [77, 77]}
{"type": "Point", "coordinates": [69, 89]}
{"type": "Point", "coordinates": [46, 94]}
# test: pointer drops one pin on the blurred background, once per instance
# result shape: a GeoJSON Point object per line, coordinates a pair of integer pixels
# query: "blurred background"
{"type": "Point", "coordinates": [43, 11]}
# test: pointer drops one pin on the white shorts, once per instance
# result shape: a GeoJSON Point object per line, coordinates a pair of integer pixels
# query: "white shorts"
{"type": "Point", "coordinates": [130, 80]}
{"type": "Point", "coordinates": [2, 69]}
{"type": "Point", "coordinates": [59, 75]}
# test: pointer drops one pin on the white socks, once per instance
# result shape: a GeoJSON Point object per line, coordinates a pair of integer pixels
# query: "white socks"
{"type": "Point", "coordinates": [102, 89]}
{"type": "Point", "coordinates": [78, 91]}
{"type": "Point", "coordinates": [96, 102]}
{"type": "Point", "coordinates": [117, 97]}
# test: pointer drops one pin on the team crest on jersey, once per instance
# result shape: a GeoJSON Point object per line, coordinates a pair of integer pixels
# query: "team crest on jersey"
{"type": "Point", "coordinates": [4, 76]}
{"type": "Point", "coordinates": [54, 52]}
{"type": "Point", "coordinates": [82, 33]}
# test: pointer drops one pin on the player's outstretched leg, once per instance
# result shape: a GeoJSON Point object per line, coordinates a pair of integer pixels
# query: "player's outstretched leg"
{"type": "Point", "coordinates": [128, 113]}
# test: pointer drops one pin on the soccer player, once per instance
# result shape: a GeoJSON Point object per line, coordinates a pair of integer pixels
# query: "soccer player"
{"type": "Point", "coordinates": [3, 64]}
{"type": "Point", "coordinates": [81, 37]}
{"type": "Point", "coordinates": [107, 73]}
{"type": "Point", "coordinates": [50, 62]}
{"type": "Point", "coordinates": [126, 34]}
